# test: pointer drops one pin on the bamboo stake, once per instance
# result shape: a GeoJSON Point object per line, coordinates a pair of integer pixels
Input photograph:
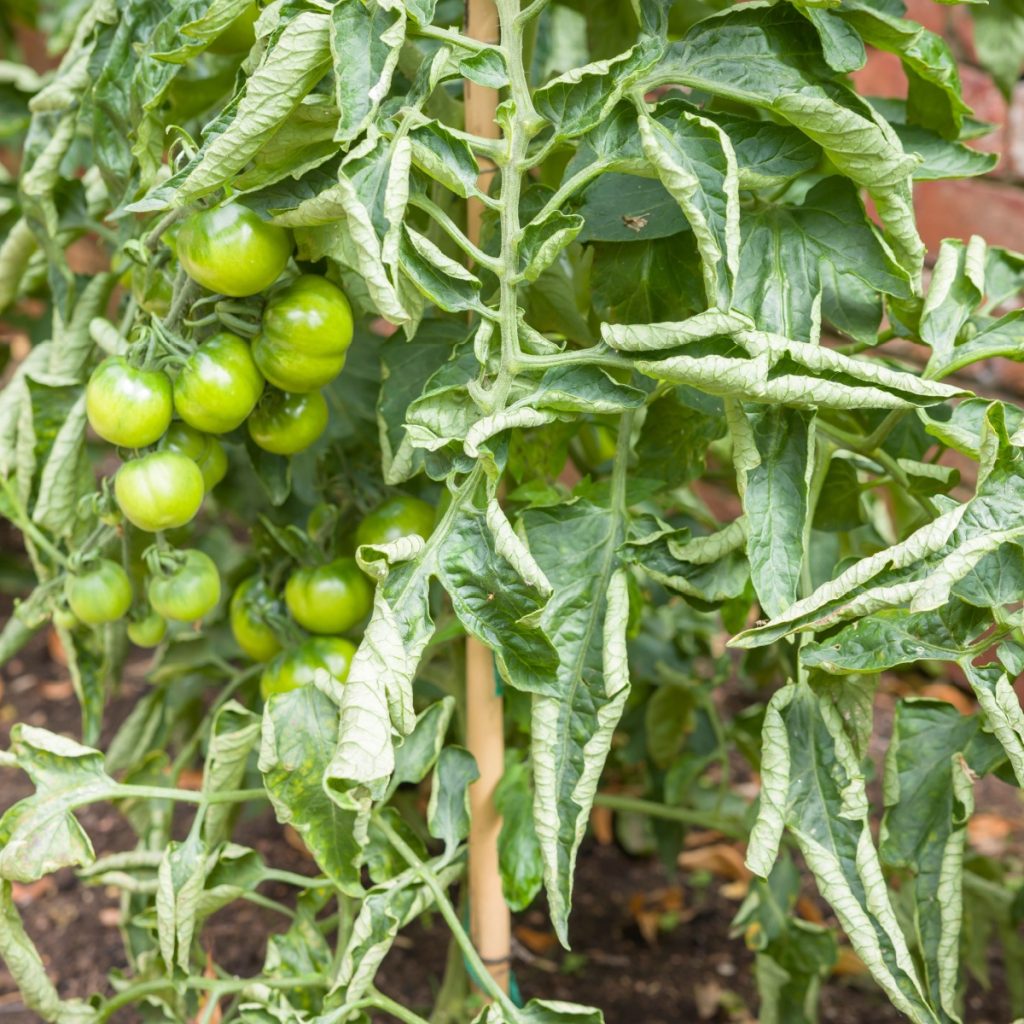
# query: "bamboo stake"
{"type": "Point", "coordinates": [490, 920]}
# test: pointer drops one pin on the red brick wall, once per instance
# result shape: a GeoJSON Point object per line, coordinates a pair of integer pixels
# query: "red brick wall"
{"type": "Point", "coordinates": [993, 206]}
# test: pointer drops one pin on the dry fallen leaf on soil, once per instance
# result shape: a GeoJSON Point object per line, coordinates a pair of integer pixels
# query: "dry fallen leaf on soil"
{"type": "Point", "coordinates": [25, 893]}
{"type": "Point", "coordinates": [651, 910]}
{"type": "Point", "coordinates": [602, 825]}
{"type": "Point", "coordinates": [702, 837]}
{"type": "Point", "coordinates": [213, 1017]}
{"type": "Point", "coordinates": [988, 833]}
{"type": "Point", "coordinates": [809, 910]}
{"type": "Point", "coordinates": [951, 694]}
{"type": "Point", "coordinates": [848, 964]}
{"type": "Point", "coordinates": [737, 890]}
{"type": "Point", "coordinates": [62, 690]}
{"type": "Point", "coordinates": [723, 860]}
{"type": "Point", "coordinates": [707, 995]}
{"type": "Point", "coordinates": [535, 940]}
{"type": "Point", "coordinates": [190, 778]}
{"type": "Point", "coordinates": [56, 648]}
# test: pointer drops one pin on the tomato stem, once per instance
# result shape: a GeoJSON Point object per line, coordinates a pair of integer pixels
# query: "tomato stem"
{"type": "Point", "coordinates": [447, 911]}
{"type": "Point", "coordinates": [686, 815]}
{"type": "Point", "coordinates": [21, 519]}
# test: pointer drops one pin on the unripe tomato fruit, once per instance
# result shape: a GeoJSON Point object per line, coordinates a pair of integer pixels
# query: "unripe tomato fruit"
{"type": "Point", "coordinates": [189, 591]}
{"type": "Point", "coordinates": [298, 667]}
{"type": "Point", "coordinates": [218, 386]}
{"type": "Point", "coordinates": [159, 491]}
{"type": "Point", "coordinates": [147, 632]}
{"type": "Point", "coordinates": [286, 423]}
{"type": "Point", "coordinates": [102, 593]}
{"type": "Point", "coordinates": [203, 449]}
{"type": "Point", "coordinates": [306, 331]}
{"type": "Point", "coordinates": [64, 618]}
{"type": "Point", "coordinates": [330, 598]}
{"type": "Point", "coordinates": [232, 250]}
{"type": "Point", "coordinates": [250, 602]}
{"type": "Point", "coordinates": [398, 516]}
{"type": "Point", "coordinates": [599, 443]}
{"type": "Point", "coordinates": [127, 406]}
{"type": "Point", "coordinates": [239, 35]}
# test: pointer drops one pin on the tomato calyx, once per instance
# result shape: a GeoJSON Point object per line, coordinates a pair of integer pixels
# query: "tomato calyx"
{"type": "Point", "coordinates": [258, 619]}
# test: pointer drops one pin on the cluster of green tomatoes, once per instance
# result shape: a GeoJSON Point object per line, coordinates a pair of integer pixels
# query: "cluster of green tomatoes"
{"type": "Point", "coordinates": [326, 601]}
{"type": "Point", "coordinates": [170, 427]}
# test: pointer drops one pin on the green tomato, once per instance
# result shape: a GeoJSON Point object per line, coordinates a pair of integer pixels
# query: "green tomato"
{"type": "Point", "coordinates": [203, 449]}
{"type": "Point", "coordinates": [160, 491]}
{"type": "Point", "coordinates": [286, 423]}
{"type": "Point", "coordinates": [239, 36]}
{"type": "Point", "coordinates": [232, 250]}
{"type": "Point", "coordinates": [298, 667]}
{"type": "Point", "coordinates": [306, 331]}
{"type": "Point", "coordinates": [102, 593]}
{"type": "Point", "coordinates": [599, 443]}
{"type": "Point", "coordinates": [218, 386]}
{"type": "Point", "coordinates": [399, 516]}
{"type": "Point", "coordinates": [189, 591]}
{"type": "Point", "coordinates": [127, 406]}
{"type": "Point", "coordinates": [147, 632]}
{"type": "Point", "coordinates": [250, 604]}
{"type": "Point", "coordinates": [64, 618]}
{"type": "Point", "coordinates": [331, 598]}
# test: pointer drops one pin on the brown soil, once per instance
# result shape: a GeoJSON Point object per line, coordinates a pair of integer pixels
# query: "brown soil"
{"type": "Point", "coordinates": [691, 971]}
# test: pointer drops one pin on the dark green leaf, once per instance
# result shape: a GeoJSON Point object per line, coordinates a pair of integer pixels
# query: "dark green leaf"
{"type": "Point", "coordinates": [519, 855]}
{"type": "Point", "coordinates": [448, 813]}
{"type": "Point", "coordinates": [300, 734]}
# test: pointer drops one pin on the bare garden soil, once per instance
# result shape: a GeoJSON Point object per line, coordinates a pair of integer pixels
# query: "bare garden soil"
{"type": "Point", "coordinates": [647, 948]}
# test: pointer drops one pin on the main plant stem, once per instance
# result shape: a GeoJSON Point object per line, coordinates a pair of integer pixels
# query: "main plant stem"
{"type": "Point", "coordinates": [490, 920]}
{"type": "Point", "coordinates": [469, 948]}
{"type": "Point", "coordinates": [498, 22]}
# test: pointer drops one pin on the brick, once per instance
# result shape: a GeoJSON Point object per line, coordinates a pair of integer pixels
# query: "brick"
{"type": "Point", "coordinates": [960, 35]}
{"type": "Point", "coordinates": [954, 24]}
{"type": "Point", "coordinates": [931, 15]}
{"type": "Point", "coordinates": [882, 75]}
{"type": "Point", "coordinates": [1014, 141]}
{"type": "Point", "coordinates": [958, 209]}
{"type": "Point", "coordinates": [33, 49]}
{"type": "Point", "coordinates": [983, 97]}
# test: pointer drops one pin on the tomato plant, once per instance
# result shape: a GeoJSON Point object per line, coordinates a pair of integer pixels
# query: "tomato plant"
{"type": "Point", "coordinates": [288, 423]}
{"type": "Point", "coordinates": [127, 406]}
{"type": "Point", "coordinates": [101, 593]}
{"type": "Point", "coordinates": [232, 250]}
{"type": "Point", "coordinates": [148, 630]}
{"type": "Point", "coordinates": [187, 588]}
{"type": "Point", "coordinates": [299, 666]}
{"type": "Point", "coordinates": [305, 332]}
{"type": "Point", "coordinates": [329, 598]}
{"type": "Point", "coordinates": [159, 491]}
{"type": "Point", "coordinates": [398, 516]}
{"type": "Point", "coordinates": [253, 609]}
{"type": "Point", "coordinates": [616, 391]}
{"type": "Point", "coordinates": [203, 449]}
{"type": "Point", "coordinates": [218, 386]}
